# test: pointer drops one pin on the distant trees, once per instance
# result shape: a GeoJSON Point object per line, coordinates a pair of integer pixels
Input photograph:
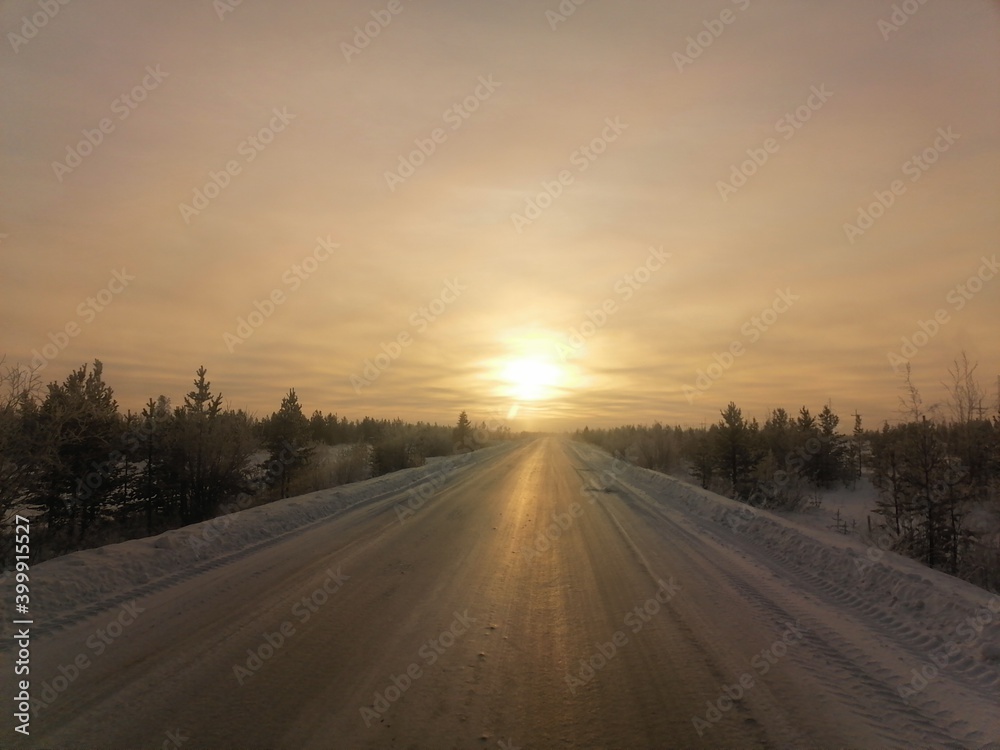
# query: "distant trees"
{"type": "Point", "coordinates": [933, 476]}
{"type": "Point", "coordinates": [87, 474]}
{"type": "Point", "coordinates": [697, 450]}
{"type": "Point", "coordinates": [938, 479]}
{"type": "Point", "coordinates": [328, 430]}
{"type": "Point", "coordinates": [923, 493]}
{"type": "Point", "coordinates": [769, 466]}
{"type": "Point", "coordinates": [20, 390]}
{"type": "Point", "coordinates": [395, 449]}
{"type": "Point", "coordinates": [657, 447]}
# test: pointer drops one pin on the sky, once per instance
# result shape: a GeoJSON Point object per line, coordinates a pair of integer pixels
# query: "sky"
{"type": "Point", "coordinates": [547, 214]}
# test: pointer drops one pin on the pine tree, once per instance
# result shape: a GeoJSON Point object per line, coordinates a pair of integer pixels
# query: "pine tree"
{"type": "Point", "coordinates": [736, 453]}
{"type": "Point", "coordinates": [287, 440]}
{"type": "Point", "coordinates": [210, 449]}
{"type": "Point", "coordinates": [699, 447]}
{"type": "Point", "coordinates": [78, 430]}
{"type": "Point", "coordinates": [858, 446]}
{"type": "Point", "coordinates": [777, 434]}
{"type": "Point", "coordinates": [831, 456]}
{"type": "Point", "coordinates": [462, 434]}
{"type": "Point", "coordinates": [887, 476]}
{"type": "Point", "coordinates": [924, 463]}
{"type": "Point", "coordinates": [156, 488]}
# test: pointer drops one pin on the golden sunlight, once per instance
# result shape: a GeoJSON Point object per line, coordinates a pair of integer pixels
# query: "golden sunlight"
{"type": "Point", "coordinates": [531, 378]}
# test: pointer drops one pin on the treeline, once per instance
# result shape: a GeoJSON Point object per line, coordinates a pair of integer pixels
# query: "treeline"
{"type": "Point", "coordinates": [937, 472]}
{"type": "Point", "coordinates": [88, 474]}
{"type": "Point", "coordinates": [772, 466]}
{"type": "Point", "coordinates": [938, 480]}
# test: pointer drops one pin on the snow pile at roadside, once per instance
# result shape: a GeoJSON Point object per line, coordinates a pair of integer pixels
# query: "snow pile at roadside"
{"type": "Point", "coordinates": [106, 575]}
{"type": "Point", "coordinates": [936, 611]}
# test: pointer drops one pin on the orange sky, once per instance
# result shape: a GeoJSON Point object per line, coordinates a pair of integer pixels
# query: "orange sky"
{"type": "Point", "coordinates": [768, 195]}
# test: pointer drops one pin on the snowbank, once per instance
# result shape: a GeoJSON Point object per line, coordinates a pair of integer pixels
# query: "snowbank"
{"type": "Point", "coordinates": [89, 581]}
{"type": "Point", "coordinates": [933, 610]}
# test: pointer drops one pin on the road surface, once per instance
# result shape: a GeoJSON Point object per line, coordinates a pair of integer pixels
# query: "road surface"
{"type": "Point", "coordinates": [532, 601]}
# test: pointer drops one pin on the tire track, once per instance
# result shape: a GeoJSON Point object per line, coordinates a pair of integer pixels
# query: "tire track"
{"type": "Point", "coordinates": [862, 685]}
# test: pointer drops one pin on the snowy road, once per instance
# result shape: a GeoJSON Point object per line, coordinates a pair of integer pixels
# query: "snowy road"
{"type": "Point", "coordinates": [533, 601]}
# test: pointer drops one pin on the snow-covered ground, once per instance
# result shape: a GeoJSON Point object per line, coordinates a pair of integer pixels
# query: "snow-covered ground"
{"type": "Point", "coordinates": [544, 544]}
{"type": "Point", "coordinates": [91, 580]}
{"type": "Point", "coordinates": [928, 602]}
{"type": "Point", "coordinates": [940, 612]}
{"type": "Point", "coordinates": [855, 505]}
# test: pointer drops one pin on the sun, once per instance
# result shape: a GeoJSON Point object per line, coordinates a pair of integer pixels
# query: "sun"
{"type": "Point", "coordinates": [531, 378]}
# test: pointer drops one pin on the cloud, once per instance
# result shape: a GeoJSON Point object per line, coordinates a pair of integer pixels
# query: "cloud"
{"type": "Point", "coordinates": [655, 184]}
